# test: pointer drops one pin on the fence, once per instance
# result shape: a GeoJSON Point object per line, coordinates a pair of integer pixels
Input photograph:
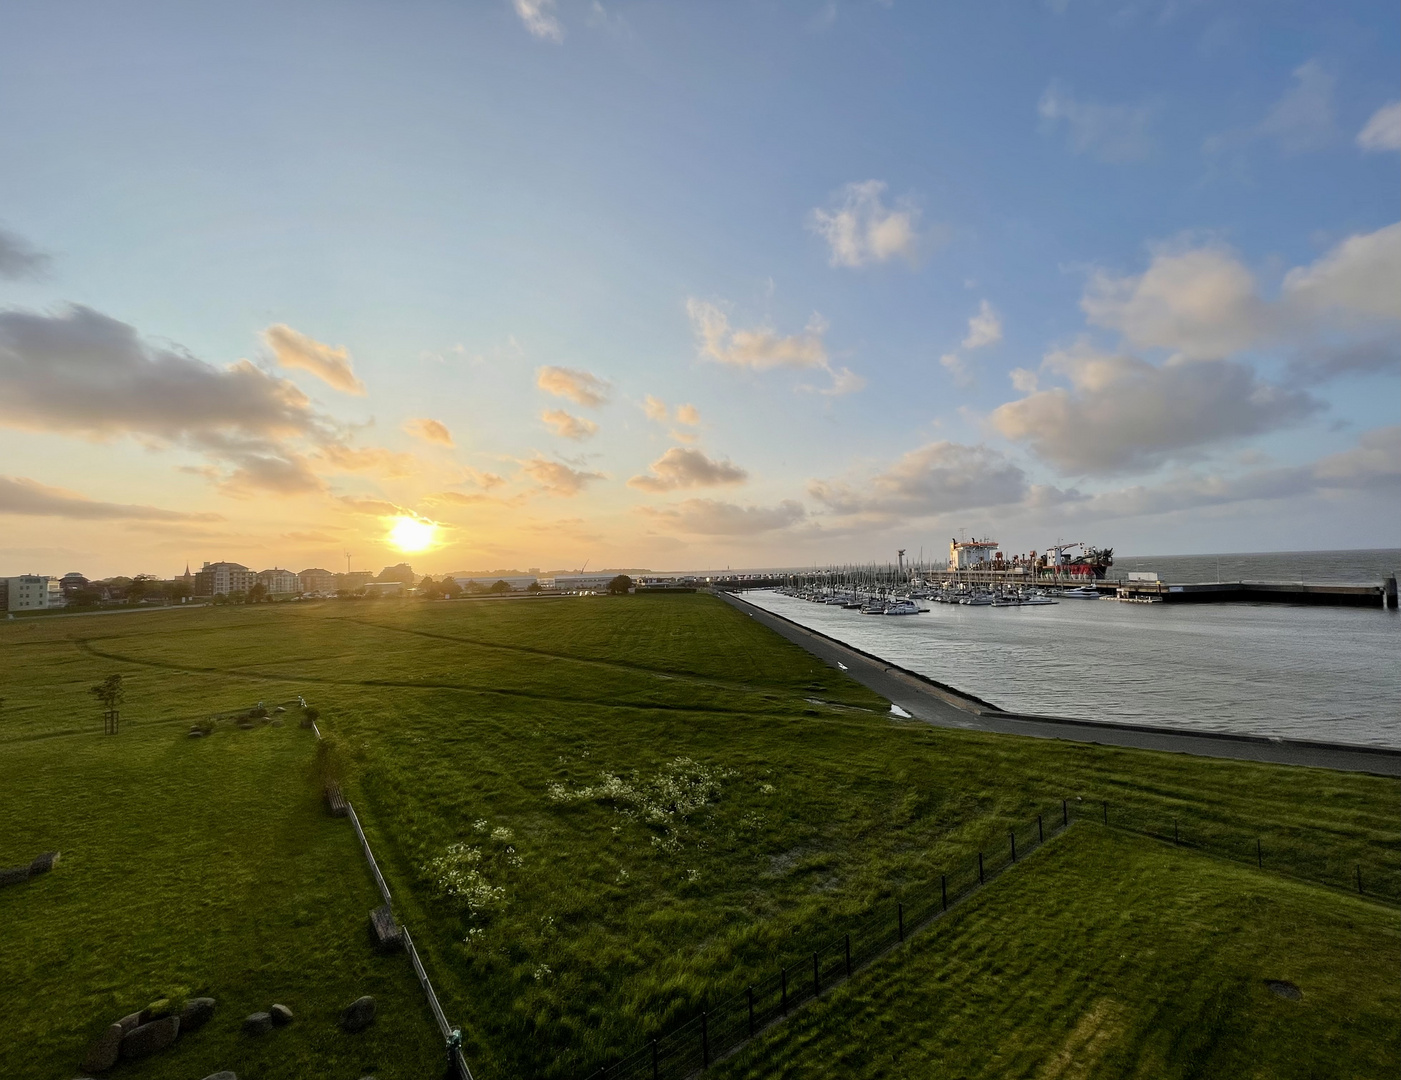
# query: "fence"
{"type": "Point", "coordinates": [452, 1038]}
{"type": "Point", "coordinates": [1312, 856]}
{"type": "Point", "coordinates": [722, 1028]}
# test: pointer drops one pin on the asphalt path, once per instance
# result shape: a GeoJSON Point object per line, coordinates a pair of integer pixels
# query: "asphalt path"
{"type": "Point", "coordinates": [944, 706]}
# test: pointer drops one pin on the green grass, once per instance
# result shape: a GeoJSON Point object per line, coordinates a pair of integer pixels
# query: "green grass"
{"type": "Point", "coordinates": [450, 714]}
{"type": "Point", "coordinates": [1107, 956]}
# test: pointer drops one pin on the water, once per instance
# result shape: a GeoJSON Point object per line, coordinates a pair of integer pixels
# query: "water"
{"type": "Point", "coordinates": [1325, 673]}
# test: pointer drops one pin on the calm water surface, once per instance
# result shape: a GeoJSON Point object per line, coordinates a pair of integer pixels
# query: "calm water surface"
{"type": "Point", "coordinates": [1266, 669]}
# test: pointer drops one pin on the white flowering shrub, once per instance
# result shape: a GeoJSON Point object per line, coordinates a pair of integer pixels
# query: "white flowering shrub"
{"type": "Point", "coordinates": [457, 874]}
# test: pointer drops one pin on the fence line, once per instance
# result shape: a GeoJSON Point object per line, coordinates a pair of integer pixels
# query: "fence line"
{"type": "Point", "coordinates": [452, 1037]}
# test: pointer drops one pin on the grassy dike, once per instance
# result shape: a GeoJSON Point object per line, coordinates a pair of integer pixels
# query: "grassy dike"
{"type": "Point", "coordinates": [595, 813]}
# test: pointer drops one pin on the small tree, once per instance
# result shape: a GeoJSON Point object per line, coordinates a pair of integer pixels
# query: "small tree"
{"type": "Point", "coordinates": [535, 586]}
{"type": "Point", "coordinates": [450, 588]}
{"type": "Point", "coordinates": [110, 693]}
{"type": "Point", "coordinates": [259, 591]}
{"type": "Point", "coordinates": [620, 585]}
{"type": "Point", "coordinates": [501, 587]}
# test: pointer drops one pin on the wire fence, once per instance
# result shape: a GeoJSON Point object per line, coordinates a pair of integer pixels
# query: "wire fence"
{"type": "Point", "coordinates": [722, 1028]}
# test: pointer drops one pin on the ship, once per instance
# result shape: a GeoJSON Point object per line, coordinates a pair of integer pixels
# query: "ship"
{"type": "Point", "coordinates": [1061, 560]}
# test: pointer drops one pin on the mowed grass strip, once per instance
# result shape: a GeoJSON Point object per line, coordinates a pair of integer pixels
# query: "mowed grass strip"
{"type": "Point", "coordinates": [1107, 956]}
{"type": "Point", "coordinates": [192, 867]}
{"type": "Point", "coordinates": [455, 720]}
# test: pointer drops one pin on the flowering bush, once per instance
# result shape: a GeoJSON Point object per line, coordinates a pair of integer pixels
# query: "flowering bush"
{"type": "Point", "coordinates": [665, 802]}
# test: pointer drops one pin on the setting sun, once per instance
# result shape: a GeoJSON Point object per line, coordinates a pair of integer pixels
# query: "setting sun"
{"type": "Point", "coordinates": [410, 534]}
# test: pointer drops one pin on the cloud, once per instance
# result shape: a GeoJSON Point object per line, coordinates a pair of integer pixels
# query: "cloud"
{"type": "Point", "coordinates": [860, 229]}
{"type": "Point", "coordinates": [484, 480]}
{"type": "Point", "coordinates": [936, 478]}
{"type": "Point", "coordinates": [761, 348]}
{"type": "Point", "coordinates": [1122, 414]}
{"type": "Point", "coordinates": [330, 365]}
{"type": "Point", "coordinates": [710, 517]}
{"type": "Point", "coordinates": [957, 366]}
{"type": "Point", "coordinates": [83, 373]}
{"type": "Point", "coordinates": [18, 259]}
{"type": "Point", "coordinates": [22, 496]}
{"type": "Point", "coordinates": [567, 426]}
{"type": "Point", "coordinates": [688, 415]}
{"type": "Point", "coordinates": [655, 408]}
{"type": "Point", "coordinates": [580, 387]}
{"type": "Point", "coordinates": [540, 19]}
{"type": "Point", "coordinates": [430, 431]}
{"type": "Point", "coordinates": [370, 459]}
{"type": "Point", "coordinates": [373, 507]}
{"type": "Point", "coordinates": [1360, 275]}
{"type": "Point", "coordinates": [1325, 362]}
{"type": "Point", "coordinates": [1382, 131]}
{"type": "Point", "coordinates": [1302, 119]}
{"type": "Point", "coordinates": [557, 478]}
{"type": "Point", "coordinates": [984, 328]}
{"type": "Point", "coordinates": [681, 467]}
{"type": "Point", "coordinates": [1111, 133]}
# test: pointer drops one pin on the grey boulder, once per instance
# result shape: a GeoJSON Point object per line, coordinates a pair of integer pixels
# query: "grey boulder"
{"type": "Point", "coordinates": [142, 1041]}
{"type": "Point", "coordinates": [358, 1015]}
{"type": "Point", "coordinates": [196, 1013]}
{"type": "Point", "coordinates": [281, 1015]}
{"type": "Point", "coordinates": [130, 1022]}
{"type": "Point", "coordinates": [102, 1055]}
{"type": "Point", "coordinates": [258, 1023]}
{"type": "Point", "coordinates": [225, 1075]}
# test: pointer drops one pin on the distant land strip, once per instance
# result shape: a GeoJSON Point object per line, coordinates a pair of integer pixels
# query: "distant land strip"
{"type": "Point", "coordinates": [937, 703]}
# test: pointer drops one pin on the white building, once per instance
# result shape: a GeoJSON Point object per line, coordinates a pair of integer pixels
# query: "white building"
{"type": "Point", "coordinates": [584, 582]}
{"type": "Point", "coordinates": [223, 578]}
{"type": "Point", "coordinates": [31, 592]}
{"type": "Point", "coordinates": [971, 554]}
{"type": "Point", "coordinates": [279, 582]}
{"type": "Point", "coordinates": [316, 580]}
{"type": "Point", "coordinates": [518, 584]}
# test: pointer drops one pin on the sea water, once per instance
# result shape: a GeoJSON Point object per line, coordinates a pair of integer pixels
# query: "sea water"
{"type": "Point", "coordinates": [1304, 672]}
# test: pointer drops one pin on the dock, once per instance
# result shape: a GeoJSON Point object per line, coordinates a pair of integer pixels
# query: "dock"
{"type": "Point", "coordinates": [1270, 592]}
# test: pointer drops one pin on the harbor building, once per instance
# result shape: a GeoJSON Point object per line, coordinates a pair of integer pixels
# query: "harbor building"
{"type": "Point", "coordinates": [316, 580]}
{"type": "Point", "coordinates": [30, 592]}
{"type": "Point", "coordinates": [972, 554]}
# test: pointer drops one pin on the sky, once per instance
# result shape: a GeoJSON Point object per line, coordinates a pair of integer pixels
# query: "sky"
{"type": "Point", "coordinates": [694, 285]}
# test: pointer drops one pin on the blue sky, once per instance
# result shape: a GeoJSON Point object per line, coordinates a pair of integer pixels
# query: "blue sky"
{"type": "Point", "coordinates": [1122, 269]}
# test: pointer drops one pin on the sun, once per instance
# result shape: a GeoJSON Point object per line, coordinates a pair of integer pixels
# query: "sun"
{"type": "Point", "coordinates": [411, 534]}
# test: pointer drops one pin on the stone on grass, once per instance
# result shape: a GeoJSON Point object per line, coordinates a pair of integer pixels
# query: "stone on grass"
{"type": "Point", "coordinates": [281, 1015]}
{"type": "Point", "coordinates": [258, 1023]}
{"type": "Point", "coordinates": [196, 1013]}
{"type": "Point", "coordinates": [102, 1055]}
{"type": "Point", "coordinates": [224, 1075]}
{"type": "Point", "coordinates": [157, 1010]}
{"type": "Point", "coordinates": [195, 733]}
{"type": "Point", "coordinates": [13, 875]}
{"type": "Point", "coordinates": [43, 863]}
{"type": "Point", "coordinates": [358, 1015]}
{"type": "Point", "coordinates": [130, 1022]}
{"type": "Point", "coordinates": [148, 1038]}
{"type": "Point", "coordinates": [277, 723]}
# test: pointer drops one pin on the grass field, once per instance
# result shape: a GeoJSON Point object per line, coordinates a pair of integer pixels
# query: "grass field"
{"type": "Point", "coordinates": [595, 813]}
{"type": "Point", "coordinates": [1106, 956]}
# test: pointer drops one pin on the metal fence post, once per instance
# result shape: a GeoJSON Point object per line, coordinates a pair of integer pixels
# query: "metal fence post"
{"type": "Point", "coordinates": [1259, 855]}
{"type": "Point", "coordinates": [705, 1042]}
{"type": "Point", "coordinates": [1106, 813]}
{"type": "Point", "coordinates": [816, 981]}
{"type": "Point", "coordinates": [783, 974]}
{"type": "Point", "coordinates": [980, 868]}
{"type": "Point", "coordinates": [1040, 833]}
{"type": "Point", "coordinates": [1359, 879]}
{"type": "Point", "coordinates": [1064, 813]}
{"type": "Point", "coordinates": [750, 994]}
{"type": "Point", "coordinates": [944, 889]}
{"type": "Point", "coordinates": [1175, 839]}
{"type": "Point", "coordinates": [900, 914]}
{"type": "Point", "coordinates": [848, 954]}
{"type": "Point", "coordinates": [1013, 834]}
{"type": "Point", "coordinates": [656, 1072]}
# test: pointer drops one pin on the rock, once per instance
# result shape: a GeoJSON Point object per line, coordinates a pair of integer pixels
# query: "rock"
{"type": "Point", "coordinates": [280, 708]}
{"type": "Point", "coordinates": [102, 1055]}
{"type": "Point", "coordinates": [157, 1010]}
{"type": "Point", "coordinates": [42, 864]}
{"type": "Point", "coordinates": [13, 875]}
{"type": "Point", "coordinates": [281, 1015]}
{"type": "Point", "coordinates": [225, 1075]}
{"type": "Point", "coordinates": [277, 723]}
{"type": "Point", "coordinates": [130, 1022]}
{"type": "Point", "coordinates": [142, 1041]}
{"type": "Point", "coordinates": [195, 733]}
{"type": "Point", "coordinates": [358, 1015]}
{"type": "Point", "coordinates": [258, 1023]}
{"type": "Point", "coordinates": [196, 1013]}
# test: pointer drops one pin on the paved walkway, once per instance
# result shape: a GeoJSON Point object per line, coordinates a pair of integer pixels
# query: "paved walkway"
{"type": "Point", "coordinates": [930, 701]}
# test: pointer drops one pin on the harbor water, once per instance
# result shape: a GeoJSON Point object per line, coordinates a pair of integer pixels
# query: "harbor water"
{"type": "Point", "coordinates": [1324, 673]}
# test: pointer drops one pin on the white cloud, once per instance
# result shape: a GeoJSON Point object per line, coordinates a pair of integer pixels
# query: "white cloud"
{"type": "Point", "coordinates": [22, 496]}
{"type": "Point", "coordinates": [860, 229]}
{"type": "Point", "coordinates": [844, 381]}
{"type": "Point", "coordinates": [956, 366]}
{"type": "Point", "coordinates": [984, 328]}
{"type": "Point", "coordinates": [655, 408]}
{"type": "Point", "coordinates": [559, 479]}
{"type": "Point", "coordinates": [581, 387]}
{"type": "Point", "coordinates": [331, 365]}
{"type": "Point", "coordinates": [1383, 130]}
{"type": "Point", "coordinates": [18, 258]}
{"type": "Point", "coordinates": [1111, 133]}
{"type": "Point", "coordinates": [1122, 414]}
{"type": "Point", "coordinates": [688, 415]}
{"type": "Point", "coordinates": [430, 431]}
{"type": "Point", "coordinates": [540, 19]}
{"type": "Point", "coordinates": [933, 479]}
{"type": "Point", "coordinates": [760, 348]}
{"type": "Point", "coordinates": [1360, 275]}
{"type": "Point", "coordinates": [710, 517]}
{"type": "Point", "coordinates": [682, 467]}
{"type": "Point", "coordinates": [1302, 119]}
{"type": "Point", "coordinates": [568, 426]}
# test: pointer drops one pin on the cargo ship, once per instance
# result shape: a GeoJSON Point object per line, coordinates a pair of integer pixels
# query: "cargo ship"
{"type": "Point", "coordinates": [1061, 560]}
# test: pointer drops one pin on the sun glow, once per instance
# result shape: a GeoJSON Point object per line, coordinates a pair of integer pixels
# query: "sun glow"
{"type": "Point", "coordinates": [410, 534]}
